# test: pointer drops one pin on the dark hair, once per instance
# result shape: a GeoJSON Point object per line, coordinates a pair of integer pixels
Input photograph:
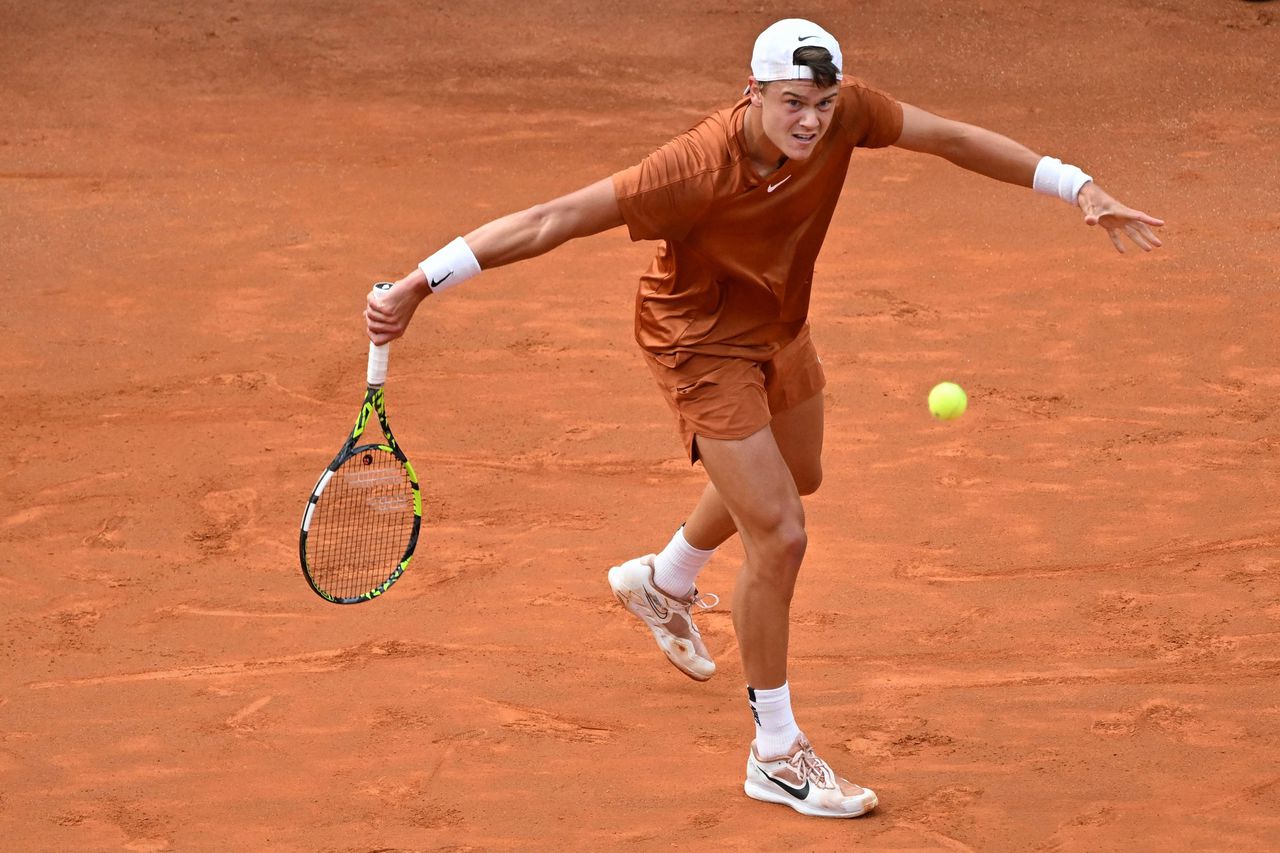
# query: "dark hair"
{"type": "Point", "coordinates": [818, 60]}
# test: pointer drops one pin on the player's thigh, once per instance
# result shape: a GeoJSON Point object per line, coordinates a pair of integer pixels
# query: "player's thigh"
{"type": "Point", "coordinates": [794, 380]}
{"type": "Point", "coordinates": [753, 479]}
{"type": "Point", "coordinates": [798, 432]}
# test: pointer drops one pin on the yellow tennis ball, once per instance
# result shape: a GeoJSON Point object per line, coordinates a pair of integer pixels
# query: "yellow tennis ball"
{"type": "Point", "coordinates": [947, 401]}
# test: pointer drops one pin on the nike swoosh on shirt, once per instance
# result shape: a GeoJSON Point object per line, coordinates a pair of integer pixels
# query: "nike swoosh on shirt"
{"type": "Point", "coordinates": [798, 793]}
{"type": "Point", "coordinates": [773, 187]}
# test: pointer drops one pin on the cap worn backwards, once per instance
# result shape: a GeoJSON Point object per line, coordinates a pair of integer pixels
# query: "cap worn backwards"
{"type": "Point", "coordinates": [773, 56]}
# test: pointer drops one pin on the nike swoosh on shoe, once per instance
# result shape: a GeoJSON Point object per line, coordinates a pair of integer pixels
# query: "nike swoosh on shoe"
{"type": "Point", "coordinates": [659, 609]}
{"type": "Point", "coordinates": [798, 793]}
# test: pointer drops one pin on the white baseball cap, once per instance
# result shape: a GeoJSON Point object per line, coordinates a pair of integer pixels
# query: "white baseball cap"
{"type": "Point", "coordinates": [773, 56]}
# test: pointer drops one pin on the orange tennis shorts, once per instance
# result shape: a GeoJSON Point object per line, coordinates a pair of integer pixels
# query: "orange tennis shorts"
{"type": "Point", "coordinates": [731, 398]}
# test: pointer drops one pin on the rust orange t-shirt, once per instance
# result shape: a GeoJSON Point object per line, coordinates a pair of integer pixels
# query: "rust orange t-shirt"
{"type": "Point", "coordinates": [734, 268]}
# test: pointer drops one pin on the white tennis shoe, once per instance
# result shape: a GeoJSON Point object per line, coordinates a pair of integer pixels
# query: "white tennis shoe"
{"type": "Point", "coordinates": [668, 617]}
{"type": "Point", "coordinates": [805, 782]}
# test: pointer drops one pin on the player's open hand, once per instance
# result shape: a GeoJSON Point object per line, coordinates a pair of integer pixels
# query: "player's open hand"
{"type": "Point", "coordinates": [387, 314]}
{"type": "Point", "coordinates": [1101, 209]}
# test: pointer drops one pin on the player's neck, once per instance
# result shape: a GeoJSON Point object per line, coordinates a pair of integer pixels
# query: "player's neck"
{"type": "Point", "coordinates": [766, 158]}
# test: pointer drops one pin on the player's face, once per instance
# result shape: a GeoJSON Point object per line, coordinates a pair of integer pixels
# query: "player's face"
{"type": "Point", "coordinates": [796, 114]}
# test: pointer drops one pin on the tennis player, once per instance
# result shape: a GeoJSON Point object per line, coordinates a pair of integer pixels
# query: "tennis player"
{"type": "Point", "coordinates": [739, 207]}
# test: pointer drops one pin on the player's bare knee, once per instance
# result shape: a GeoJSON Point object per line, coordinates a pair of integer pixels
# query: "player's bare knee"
{"type": "Point", "coordinates": [783, 552]}
{"type": "Point", "coordinates": [795, 540]}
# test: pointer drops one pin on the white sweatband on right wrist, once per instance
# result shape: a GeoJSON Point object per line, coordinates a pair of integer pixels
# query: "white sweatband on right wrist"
{"type": "Point", "coordinates": [450, 266]}
{"type": "Point", "coordinates": [1053, 177]}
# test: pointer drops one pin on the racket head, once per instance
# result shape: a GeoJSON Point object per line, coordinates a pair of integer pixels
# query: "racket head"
{"type": "Point", "coordinates": [361, 524]}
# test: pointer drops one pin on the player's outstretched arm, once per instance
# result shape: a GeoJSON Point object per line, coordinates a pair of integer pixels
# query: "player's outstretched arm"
{"type": "Point", "coordinates": [517, 236]}
{"type": "Point", "coordinates": [989, 153]}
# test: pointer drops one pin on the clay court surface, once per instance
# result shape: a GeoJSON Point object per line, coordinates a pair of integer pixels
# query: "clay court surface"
{"type": "Point", "coordinates": [1051, 625]}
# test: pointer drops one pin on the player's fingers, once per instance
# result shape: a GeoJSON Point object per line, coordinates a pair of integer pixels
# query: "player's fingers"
{"type": "Point", "coordinates": [1148, 234]}
{"type": "Point", "coordinates": [378, 311]}
{"type": "Point", "coordinates": [1115, 240]}
{"type": "Point", "coordinates": [381, 333]}
{"type": "Point", "coordinates": [375, 323]}
{"type": "Point", "coordinates": [1128, 214]}
{"type": "Point", "coordinates": [1137, 238]}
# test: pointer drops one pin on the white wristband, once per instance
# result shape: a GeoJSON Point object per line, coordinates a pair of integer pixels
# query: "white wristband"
{"type": "Point", "coordinates": [450, 266]}
{"type": "Point", "coordinates": [1053, 177]}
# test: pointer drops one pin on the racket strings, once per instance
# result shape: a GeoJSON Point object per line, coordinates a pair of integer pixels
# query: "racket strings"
{"type": "Point", "coordinates": [362, 526]}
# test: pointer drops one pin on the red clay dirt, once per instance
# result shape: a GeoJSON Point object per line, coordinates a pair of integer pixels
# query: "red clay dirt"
{"type": "Point", "coordinates": [1051, 625]}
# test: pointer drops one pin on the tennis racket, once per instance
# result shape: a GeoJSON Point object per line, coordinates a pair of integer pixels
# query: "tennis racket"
{"type": "Point", "coordinates": [362, 520]}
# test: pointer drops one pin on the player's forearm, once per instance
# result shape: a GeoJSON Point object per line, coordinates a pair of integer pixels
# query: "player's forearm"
{"type": "Point", "coordinates": [989, 153]}
{"type": "Point", "coordinates": [517, 237]}
{"type": "Point", "coordinates": [514, 237]}
{"type": "Point", "coordinates": [543, 227]}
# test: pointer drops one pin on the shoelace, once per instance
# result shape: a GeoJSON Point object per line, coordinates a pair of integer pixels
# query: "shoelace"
{"type": "Point", "coordinates": [810, 766]}
{"type": "Point", "coordinates": [699, 600]}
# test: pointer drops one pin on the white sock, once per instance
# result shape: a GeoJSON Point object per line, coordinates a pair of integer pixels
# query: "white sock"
{"type": "Point", "coordinates": [676, 568]}
{"type": "Point", "coordinates": [776, 728]}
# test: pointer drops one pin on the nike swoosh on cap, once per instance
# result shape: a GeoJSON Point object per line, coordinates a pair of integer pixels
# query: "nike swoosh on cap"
{"type": "Point", "coordinates": [805, 38]}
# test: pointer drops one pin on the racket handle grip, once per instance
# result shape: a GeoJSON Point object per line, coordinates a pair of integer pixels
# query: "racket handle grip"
{"type": "Point", "coordinates": [379, 353]}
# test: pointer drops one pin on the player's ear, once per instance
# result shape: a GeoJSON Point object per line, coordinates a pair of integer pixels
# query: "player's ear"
{"type": "Point", "coordinates": [753, 89]}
